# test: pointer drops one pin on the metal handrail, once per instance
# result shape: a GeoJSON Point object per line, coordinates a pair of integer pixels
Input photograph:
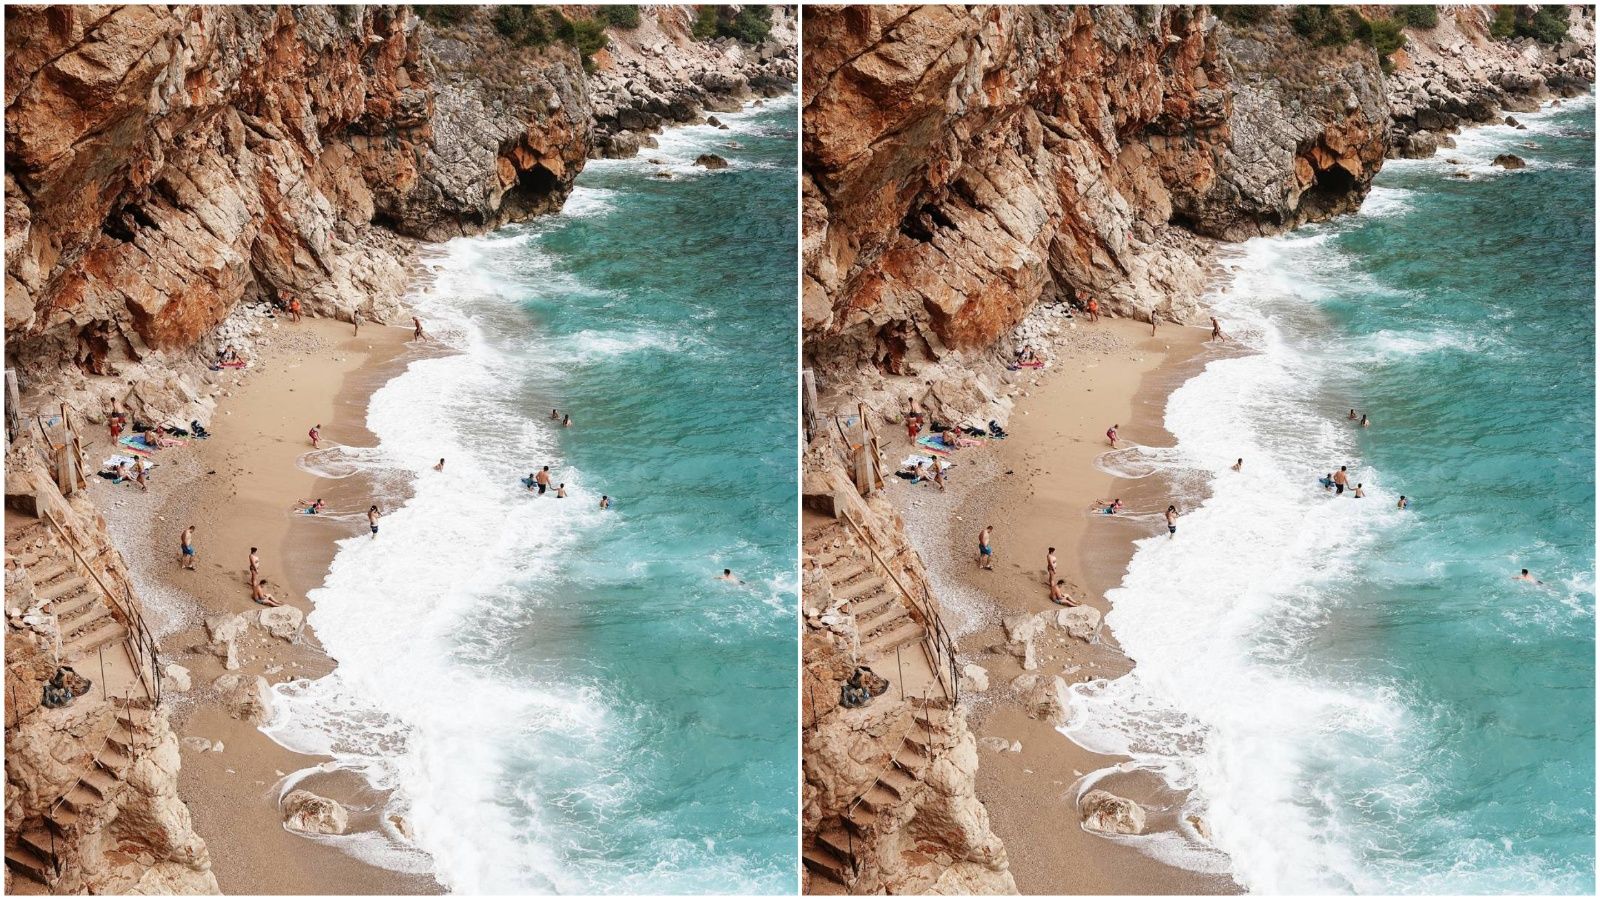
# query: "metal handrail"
{"type": "Point", "coordinates": [942, 639]}
{"type": "Point", "coordinates": [147, 652]}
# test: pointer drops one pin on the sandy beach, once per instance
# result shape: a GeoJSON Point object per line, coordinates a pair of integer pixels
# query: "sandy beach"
{"type": "Point", "coordinates": [238, 488]}
{"type": "Point", "coordinates": [1037, 488]}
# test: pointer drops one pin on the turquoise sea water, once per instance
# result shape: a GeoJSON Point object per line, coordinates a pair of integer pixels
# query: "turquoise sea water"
{"type": "Point", "coordinates": [571, 702]}
{"type": "Point", "coordinates": [1362, 698]}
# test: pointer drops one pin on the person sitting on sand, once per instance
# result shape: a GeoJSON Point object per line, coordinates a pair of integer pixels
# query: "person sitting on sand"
{"type": "Point", "coordinates": [260, 594]}
{"type": "Point", "coordinates": [1058, 594]}
{"type": "Point", "coordinates": [186, 548]}
{"type": "Point", "coordinates": [1026, 355]}
{"type": "Point", "coordinates": [1172, 521]}
{"type": "Point", "coordinates": [1217, 333]}
{"type": "Point", "coordinates": [1111, 435]}
{"type": "Point", "coordinates": [372, 519]}
{"type": "Point", "coordinates": [1238, 466]}
{"type": "Point", "coordinates": [228, 355]}
{"type": "Point", "coordinates": [439, 467]}
{"type": "Point", "coordinates": [1403, 502]}
{"type": "Point", "coordinates": [123, 473]}
{"type": "Point", "coordinates": [1112, 508]}
{"type": "Point", "coordinates": [727, 575]}
{"type": "Point", "coordinates": [605, 502]}
{"type": "Point", "coordinates": [315, 434]}
{"type": "Point", "coordinates": [155, 441]}
{"type": "Point", "coordinates": [985, 549]}
{"type": "Point", "coordinates": [1358, 493]}
{"type": "Point", "coordinates": [1525, 576]}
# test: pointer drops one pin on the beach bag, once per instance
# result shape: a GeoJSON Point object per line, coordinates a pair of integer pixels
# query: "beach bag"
{"type": "Point", "coordinates": [852, 697]}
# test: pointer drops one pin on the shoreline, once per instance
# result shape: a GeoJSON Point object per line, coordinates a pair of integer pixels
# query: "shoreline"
{"type": "Point", "coordinates": [314, 371]}
{"type": "Point", "coordinates": [1132, 376]}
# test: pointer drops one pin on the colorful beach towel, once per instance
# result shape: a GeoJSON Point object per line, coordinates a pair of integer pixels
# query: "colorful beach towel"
{"type": "Point", "coordinates": [136, 446]}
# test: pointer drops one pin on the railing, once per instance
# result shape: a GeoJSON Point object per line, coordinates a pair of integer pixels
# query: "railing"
{"type": "Point", "coordinates": [146, 652]}
{"type": "Point", "coordinates": [942, 658]}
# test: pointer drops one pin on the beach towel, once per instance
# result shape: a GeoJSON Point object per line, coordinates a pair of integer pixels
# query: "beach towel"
{"type": "Point", "coordinates": [120, 460]}
{"type": "Point", "coordinates": [912, 460]}
{"type": "Point", "coordinates": [935, 444]}
{"type": "Point", "coordinates": [236, 364]}
{"type": "Point", "coordinates": [136, 446]}
{"type": "Point", "coordinates": [1036, 364]}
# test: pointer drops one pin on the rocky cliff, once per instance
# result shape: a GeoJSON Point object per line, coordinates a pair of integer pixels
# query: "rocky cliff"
{"type": "Point", "coordinates": [165, 164]}
{"type": "Point", "coordinates": [963, 164]}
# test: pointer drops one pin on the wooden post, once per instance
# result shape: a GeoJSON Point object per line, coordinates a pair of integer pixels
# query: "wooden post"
{"type": "Point", "coordinates": [808, 401]}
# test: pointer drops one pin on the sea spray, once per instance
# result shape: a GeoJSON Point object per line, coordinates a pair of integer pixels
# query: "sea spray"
{"type": "Point", "coordinates": [1360, 698]}
{"type": "Point", "coordinates": [562, 698]}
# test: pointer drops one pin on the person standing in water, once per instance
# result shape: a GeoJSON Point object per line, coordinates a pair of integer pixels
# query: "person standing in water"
{"type": "Point", "coordinates": [1172, 521]}
{"type": "Point", "coordinates": [561, 490]}
{"type": "Point", "coordinates": [566, 421]}
{"type": "Point", "coordinates": [1365, 422]}
{"type": "Point", "coordinates": [1341, 480]}
{"type": "Point", "coordinates": [1216, 330]}
{"type": "Point", "coordinates": [542, 479]}
{"type": "Point", "coordinates": [372, 519]}
{"type": "Point", "coordinates": [186, 548]}
{"type": "Point", "coordinates": [1403, 502]}
{"type": "Point", "coordinates": [440, 466]}
{"type": "Point", "coordinates": [605, 502]}
{"type": "Point", "coordinates": [1358, 493]}
{"type": "Point", "coordinates": [1238, 466]}
{"type": "Point", "coordinates": [416, 330]}
{"type": "Point", "coordinates": [1111, 435]}
{"type": "Point", "coordinates": [985, 549]}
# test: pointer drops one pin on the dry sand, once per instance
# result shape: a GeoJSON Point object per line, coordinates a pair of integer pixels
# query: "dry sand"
{"type": "Point", "coordinates": [237, 488]}
{"type": "Point", "coordinates": [1036, 488]}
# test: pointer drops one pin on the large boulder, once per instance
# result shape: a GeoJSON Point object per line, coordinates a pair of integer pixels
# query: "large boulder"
{"type": "Point", "coordinates": [1082, 622]}
{"type": "Point", "coordinates": [711, 161]}
{"type": "Point", "coordinates": [282, 622]}
{"type": "Point", "coordinates": [1107, 813]}
{"type": "Point", "coordinates": [1510, 161]}
{"type": "Point", "coordinates": [175, 678]}
{"type": "Point", "coordinates": [312, 814]}
{"type": "Point", "coordinates": [1047, 700]}
{"type": "Point", "coordinates": [246, 697]}
{"type": "Point", "coordinates": [225, 629]}
{"type": "Point", "coordinates": [974, 677]}
{"type": "Point", "coordinates": [1020, 633]}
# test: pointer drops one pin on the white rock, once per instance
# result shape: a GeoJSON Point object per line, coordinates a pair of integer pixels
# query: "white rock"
{"type": "Point", "coordinates": [1107, 813]}
{"type": "Point", "coordinates": [282, 622]}
{"type": "Point", "coordinates": [975, 676]}
{"type": "Point", "coordinates": [307, 812]}
{"type": "Point", "coordinates": [176, 678]}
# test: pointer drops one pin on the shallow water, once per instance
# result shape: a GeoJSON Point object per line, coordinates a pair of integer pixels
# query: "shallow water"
{"type": "Point", "coordinates": [564, 698]}
{"type": "Point", "coordinates": [1362, 699]}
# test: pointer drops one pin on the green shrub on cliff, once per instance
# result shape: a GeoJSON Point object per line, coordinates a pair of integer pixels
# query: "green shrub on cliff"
{"type": "Point", "coordinates": [440, 15]}
{"type": "Point", "coordinates": [750, 24]}
{"type": "Point", "coordinates": [537, 26]}
{"type": "Point", "coordinates": [1326, 26]}
{"type": "Point", "coordinates": [1504, 23]}
{"type": "Point", "coordinates": [1546, 24]}
{"type": "Point", "coordinates": [624, 16]}
{"type": "Point", "coordinates": [1241, 15]}
{"type": "Point", "coordinates": [1417, 16]}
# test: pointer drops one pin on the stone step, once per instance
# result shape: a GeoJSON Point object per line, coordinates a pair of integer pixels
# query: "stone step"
{"type": "Point", "coordinates": [113, 761]}
{"type": "Point", "coordinates": [860, 588]}
{"type": "Point", "coordinates": [80, 801]}
{"type": "Point", "coordinates": [865, 607]}
{"type": "Point", "coordinates": [64, 587]}
{"type": "Point", "coordinates": [887, 617]}
{"type": "Point", "coordinates": [847, 570]}
{"type": "Point", "coordinates": [883, 644]}
{"type": "Point", "coordinates": [898, 781]}
{"type": "Point", "coordinates": [861, 818]}
{"type": "Point", "coordinates": [40, 841]}
{"type": "Point", "coordinates": [67, 609]}
{"type": "Point", "coordinates": [29, 864]}
{"type": "Point", "coordinates": [93, 638]}
{"type": "Point", "coordinates": [48, 569]}
{"type": "Point", "coordinates": [880, 798]}
{"type": "Point", "coordinates": [822, 861]}
{"type": "Point", "coordinates": [100, 781]}
{"type": "Point", "coordinates": [836, 841]}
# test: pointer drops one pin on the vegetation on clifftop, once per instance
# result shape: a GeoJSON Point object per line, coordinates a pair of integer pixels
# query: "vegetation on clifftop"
{"type": "Point", "coordinates": [750, 24]}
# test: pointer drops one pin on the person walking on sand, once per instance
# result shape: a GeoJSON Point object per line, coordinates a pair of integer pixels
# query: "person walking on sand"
{"type": "Point", "coordinates": [1216, 330]}
{"type": "Point", "coordinates": [255, 567]}
{"type": "Point", "coordinates": [1111, 435]}
{"type": "Point", "coordinates": [186, 548]}
{"type": "Point", "coordinates": [440, 466]}
{"type": "Point", "coordinates": [1341, 480]}
{"type": "Point", "coordinates": [1058, 593]}
{"type": "Point", "coordinates": [138, 473]}
{"type": "Point", "coordinates": [316, 435]}
{"type": "Point", "coordinates": [372, 519]}
{"type": "Point", "coordinates": [605, 502]}
{"type": "Point", "coordinates": [1094, 310]}
{"type": "Point", "coordinates": [938, 472]}
{"type": "Point", "coordinates": [416, 330]}
{"type": "Point", "coordinates": [260, 594]}
{"type": "Point", "coordinates": [1152, 323]}
{"type": "Point", "coordinates": [985, 549]}
{"type": "Point", "coordinates": [294, 310]}
{"type": "Point", "coordinates": [1050, 565]}
{"type": "Point", "coordinates": [542, 479]}
{"type": "Point", "coordinates": [1172, 521]}
{"type": "Point", "coordinates": [1238, 466]}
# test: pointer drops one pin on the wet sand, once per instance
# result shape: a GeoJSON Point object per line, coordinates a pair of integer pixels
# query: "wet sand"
{"type": "Point", "coordinates": [1037, 488]}
{"type": "Point", "coordinates": [238, 488]}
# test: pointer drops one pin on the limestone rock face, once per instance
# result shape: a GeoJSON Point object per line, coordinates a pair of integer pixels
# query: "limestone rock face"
{"type": "Point", "coordinates": [965, 163]}
{"type": "Point", "coordinates": [1109, 814]}
{"type": "Point", "coordinates": [246, 697]}
{"type": "Point", "coordinates": [1455, 74]}
{"type": "Point", "coordinates": [313, 814]}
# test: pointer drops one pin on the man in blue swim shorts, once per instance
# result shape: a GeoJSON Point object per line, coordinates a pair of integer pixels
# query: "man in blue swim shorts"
{"type": "Point", "coordinates": [985, 551]}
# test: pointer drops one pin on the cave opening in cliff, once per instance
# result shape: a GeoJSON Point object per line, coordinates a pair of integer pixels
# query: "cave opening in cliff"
{"type": "Point", "coordinates": [922, 222]}
{"type": "Point", "coordinates": [536, 183]}
{"type": "Point", "coordinates": [1331, 190]}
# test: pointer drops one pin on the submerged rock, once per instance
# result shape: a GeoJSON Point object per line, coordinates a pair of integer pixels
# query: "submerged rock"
{"type": "Point", "coordinates": [1510, 161]}
{"type": "Point", "coordinates": [1107, 813]}
{"type": "Point", "coordinates": [711, 161]}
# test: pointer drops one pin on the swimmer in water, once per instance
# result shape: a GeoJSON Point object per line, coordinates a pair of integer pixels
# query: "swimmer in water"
{"type": "Point", "coordinates": [1359, 492]}
{"type": "Point", "coordinates": [1238, 466]}
{"type": "Point", "coordinates": [561, 490]}
{"type": "Point", "coordinates": [1365, 422]}
{"type": "Point", "coordinates": [1525, 576]}
{"type": "Point", "coordinates": [1403, 502]}
{"type": "Point", "coordinates": [440, 466]}
{"type": "Point", "coordinates": [605, 502]}
{"type": "Point", "coordinates": [727, 575]}
{"type": "Point", "coordinates": [1352, 416]}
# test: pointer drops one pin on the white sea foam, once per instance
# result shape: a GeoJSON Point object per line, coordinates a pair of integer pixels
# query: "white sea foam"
{"type": "Point", "coordinates": [1212, 616]}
